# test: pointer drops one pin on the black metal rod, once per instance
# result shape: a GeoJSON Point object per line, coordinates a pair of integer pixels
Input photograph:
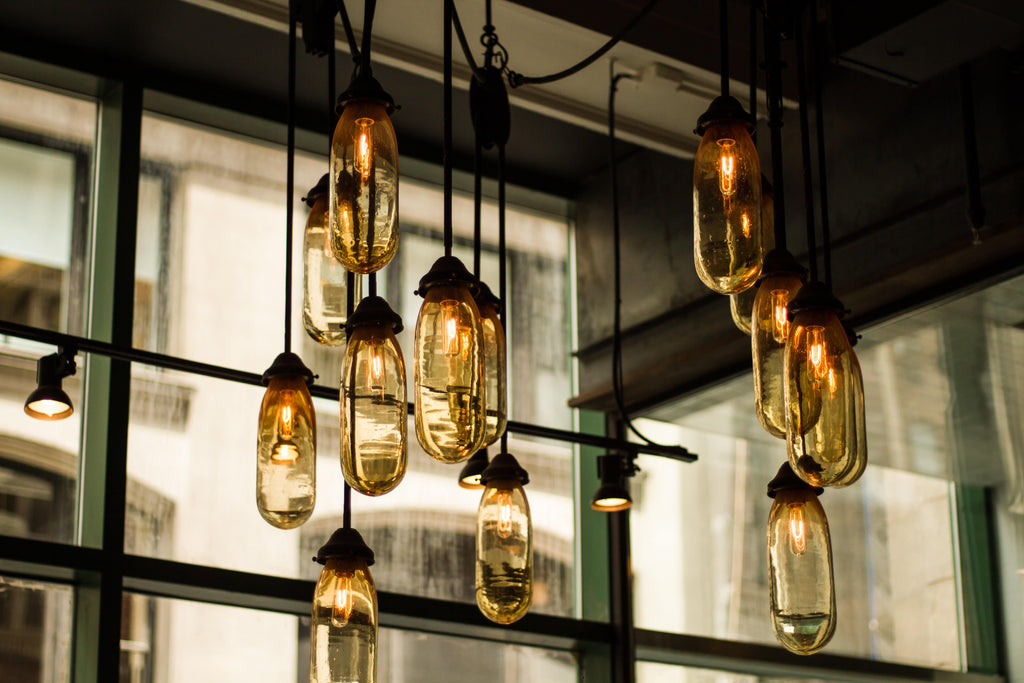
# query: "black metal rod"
{"type": "Point", "coordinates": [372, 282]}
{"type": "Point", "coordinates": [364, 56]}
{"type": "Point", "coordinates": [502, 269]}
{"type": "Point", "coordinates": [160, 360]}
{"type": "Point", "coordinates": [346, 513]}
{"type": "Point", "coordinates": [447, 154]}
{"type": "Point", "coordinates": [353, 46]}
{"type": "Point", "coordinates": [467, 52]}
{"type": "Point", "coordinates": [477, 201]}
{"type": "Point", "coordinates": [290, 183]}
{"type": "Point", "coordinates": [773, 91]}
{"type": "Point", "coordinates": [723, 37]}
{"type": "Point", "coordinates": [805, 150]}
{"type": "Point", "coordinates": [753, 67]}
{"type": "Point", "coordinates": [818, 68]}
{"type": "Point", "coordinates": [975, 208]}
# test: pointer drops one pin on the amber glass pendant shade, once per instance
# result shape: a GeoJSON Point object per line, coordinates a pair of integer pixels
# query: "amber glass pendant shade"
{"type": "Point", "coordinates": [803, 603]}
{"type": "Point", "coordinates": [504, 543]}
{"type": "Point", "coordinates": [495, 365]}
{"type": "Point", "coordinates": [820, 390]}
{"type": "Point", "coordinates": [449, 381]}
{"type": "Point", "coordinates": [727, 249]}
{"type": "Point", "coordinates": [859, 434]}
{"type": "Point", "coordinates": [343, 636]}
{"type": "Point", "coordinates": [286, 448]}
{"type": "Point", "coordinates": [324, 279]}
{"type": "Point", "coordinates": [741, 305]}
{"type": "Point", "coordinates": [364, 187]}
{"type": "Point", "coordinates": [373, 401]}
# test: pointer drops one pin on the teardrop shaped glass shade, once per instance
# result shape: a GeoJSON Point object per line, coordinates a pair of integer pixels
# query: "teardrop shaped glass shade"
{"type": "Point", "coordinates": [364, 188]}
{"type": "Point", "coordinates": [741, 305]}
{"type": "Point", "coordinates": [324, 281]}
{"type": "Point", "coordinates": [820, 397]}
{"type": "Point", "coordinates": [373, 411]}
{"type": "Point", "coordinates": [495, 374]}
{"type": "Point", "coordinates": [727, 208]}
{"type": "Point", "coordinates": [343, 636]}
{"type": "Point", "coordinates": [286, 453]}
{"type": "Point", "coordinates": [504, 552]}
{"type": "Point", "coordinates": [449, 383]}
{"type": "Point", "coordinates": [803, 603]}
{"type": "Point", "coordinates": [859, 449]}
{"type": "Point", "coordinates": [768, 348]}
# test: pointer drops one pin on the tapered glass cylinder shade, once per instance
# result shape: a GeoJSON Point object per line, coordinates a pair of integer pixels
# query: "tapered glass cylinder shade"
{"type": "Point", "coordinates": [495, 371]}
{"type": "Point", "coordinates": [364, 187]}
{"type": "Point", "coordinates": [803, 604]}
{"type": "Point", "coordinates": [286, 453]}
{"type": "Point", "coordinates": [373, 410]}
{"type": "Point", "coordinates": [768, 337]}
{"type": "Point", "coordinates": [449, 381]}
{"type": "Point", "coordinates": [324, 279]}
{"type": "Point", "coordinates": [504, 552]}
{"type": "Point", "coordinates": [859, 449]}
{"type": "Point", "coordinates": [343, 640]}
{"type": "Point", "coordinates": [727, 249]}
{"type": "Point", "coordinates": [741, 305]}
{"type": "Point", "coordinates": [820, 395]}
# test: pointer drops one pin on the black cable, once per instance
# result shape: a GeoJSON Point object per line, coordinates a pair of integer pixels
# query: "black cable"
{"type": "Point", "coordinates": [818, 62]}
{"type": "Point", "coordinates": [447, 152]}
{"type": "Point", "coordinates": [516, 79]}
{"type": "Point", "coordinates": [364, 55]}
{"type": "Point", "coordinates": [290, 183]}
{"type": "Point", "coordinates": [753, 67]}
{"type": "Point", "coordinates": [466, 51]}
{"type": "Point", "coordinates": [723, 36]}
{"type": "Point", "coordinates": [346, 515]}
{"type": "Point", "coordinates": [477, 201]}
{"type": "Point", "coordinates": [805, 149]}
{"type": "Point", "coordinates": [502, 269]}
{"type": "Point", "coordinates": [372, 284]}
{"type": "Point", "coordinates": [353, 48]}
{"type": "Point", "coordinates": [773, 91]}
{"type": "Point", "coordinates": [617, 372]}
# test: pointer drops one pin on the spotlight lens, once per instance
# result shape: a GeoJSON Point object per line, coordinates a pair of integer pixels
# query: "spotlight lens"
{"type": "Point", "coordinates": [473, 480]}
{"type": "Point", "coordinates": [48, 409]}
{"type": "Point", "coordinates": [610, 502]}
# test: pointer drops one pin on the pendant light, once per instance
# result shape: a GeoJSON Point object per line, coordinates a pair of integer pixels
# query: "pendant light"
{"type": "Point", "coordinates": [343, 636]}
{"type": "Point", "coordinates": [286, 443]}
{"type": "Point", "coordinates": [469, 476]}
{"type": "Point", "coordinates": [364, 169]}
{"type": "Point", "coordinates": [858, 434]}
{"type": "Point", "coordinates": [504, 543]}
{"type": "Point", "coordinates": [802, 591]}
{"type": "Point", "coordinates": [48, 401]}
{"type": "Point", "coordinates": [449, 381]}
{"type": "Point", "coordinates": [613, 493]}
{"type": "Point", "coordinates": [373, 401]}
{"type": "Point", "coordinates": [726, 191]}
{"type": "Point", "coordinates": [325, 289]}
{"type": "Point", "coordinates": [495, 369]}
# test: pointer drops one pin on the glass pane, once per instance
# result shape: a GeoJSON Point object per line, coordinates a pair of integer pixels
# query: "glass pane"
{"type": "Point", "coordinates": [38, 460]}
{"type": "Point", "coordinates": [35, 631]}
{"type": "Point", "coordinates": [651, 672]}
{"type": "Point", "coordinates": [191, 497]}
{"type": "Point", "coordinates": [46, 142]}
{"type": "Point", "coordinates": [177, 641]}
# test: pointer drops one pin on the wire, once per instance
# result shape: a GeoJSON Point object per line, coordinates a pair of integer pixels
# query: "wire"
{"type": "Point", "coordinates": [477, 201]}
{"type": "Point", "coordinates": [723, 36]}
{"type": "Point", "coordinates": [773, 92]}
{"type": "Point", "coordinates": [617, 373]}
{"type": "Point", "coordinates": [364, 56]}
{"type": "Point", "coordinates": [447, 152]}
{"type": "Point", "coordinates": [290, 183]}
{"type": "Point", "coordinates": [818, 54]}
{"type": "Point", "coordinates": [805, 149]}
{"type": "Point", "coordinates": [502, 267]}
{"type": "Point", "coordinates": [466, 51]}
{"type": "Point", "coordinates": [353, 48]}
{"type": "Point", "coordinates": [516, 79]}
{"type": "Point", "coordinates": [753, 67]}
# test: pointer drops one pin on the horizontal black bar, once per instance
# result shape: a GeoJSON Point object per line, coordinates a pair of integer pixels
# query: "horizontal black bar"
{"type": "Point", "coordinates": [218, 372]}
{"type": "Point", "coordinates": [47, 559]}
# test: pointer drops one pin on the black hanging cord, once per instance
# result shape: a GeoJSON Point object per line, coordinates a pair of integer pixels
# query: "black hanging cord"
{"type": "Point", "coordinates": [372, 280]}
{"type": "Point", "coordinates": [516, 79]}
{"type": "Point", "coordinates": [805, 148]}
{"type": "Point", "coordinates": [448, 5]}
{"type": "Point", "coordinates": [753, 67]}
{"type": "Point", "coordinates": [818, 67]}
{"type": "Point", "coordinates": [477, 201]}
{"type": "Point", "coordinates": [332, 77]}
{"type": "Point", "coordinates": [502, 265]}
{"type": "Point", "coordinates": [364, 55]}
{"type": "Point", "coordinates": [467, 52]}
{"type": "Point", "coordinates": [617, 372]}
{"type": "Point", "coordinates": [723, 37]}
{"type": "Point", "coordinates": [975, 208]}
{"type": "Point", "coordinates": [353, 46]}
{"type": "Point", "coordinates": [346, 515]}
{"type": "Point", "coordinates": [773, 91]}
{"type": "Point", "coordinates": [290, 182]}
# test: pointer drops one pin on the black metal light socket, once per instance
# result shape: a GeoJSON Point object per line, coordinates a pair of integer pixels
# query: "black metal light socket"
{"type": "Point", "coordinates": [786, 480]}
{"type": "Point", "coordinates": [374, 311]}
{"type": "Point", "coordinates": [344, 543]}
{"type": "Point", "coordinates": [780, 262]}
{"type": "Point", "coordinates": [447, 270]}
{"type": "Point", "coordinates": [814, 295]}
{"type": "Point", "coordinates": [288, 363]}
{"type": "Point", "coordinates": [613, 493]}
{"type": "Point", "coordinates": [504, 467]}
{"type": "Point", "coordinates": [364, 87]}
{"type": "Point", "coordinates": [469, 477]}
{"type": "Point", "coordinates": [317, 191]}
{"type": "Point", "coordinates": [48, 401]}
{"type": "Point", "coordinates": [484, 296]}
{"type": "Point", "coordinates": [724, 108]}
{"type": "Point", "coordinates": [488, 107]}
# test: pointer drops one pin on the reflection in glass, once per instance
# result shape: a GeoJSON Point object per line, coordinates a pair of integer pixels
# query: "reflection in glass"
{"type": "Point", "coordinates": [324, 279]}
{"type": "Point", "coordinates": [495, 365]}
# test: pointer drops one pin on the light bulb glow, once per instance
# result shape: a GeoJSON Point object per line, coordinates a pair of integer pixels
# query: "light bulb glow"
{"type": "Point", "coordinates": [450, 331]}
{"type": "Point", "coordinates": [727, 167]}
{"type": "Point", "coordinates": [797, 529]}
{"type": "Point", "coordinates": [48, 407]}
{"type": "Point", "coordinates": [376, 374]}
{"type": "Point", "coordinates": [504, 525]}
{"type": "Point", "coordinates": [341, 610]}
{"type": "Point", "coordinates": [364, 147]}
{"type": "Point", "coordinates": [780, 301]}
{"type": "Point", "coordinates": [816, 363]}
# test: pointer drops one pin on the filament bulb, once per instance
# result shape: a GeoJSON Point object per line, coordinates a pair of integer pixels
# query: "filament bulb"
{"type": "Point", "coordinates": [450, 327]}
{"type": "Point", "coordinates": [376, 375]}
{"type": "Point", "coordinates": [504, 502]}
{"type": "Point", "coordinates": [780, 319]}
{"type": "Point", "coordinates": [285, 452]}
{"type": "Point", "coordinates": [816, 363]}
{"type": "Point", "coordinates": [727, 168]}
{"type": "Point", "coordinates": [797, 529]}
{"type": "Point", "coordinates": [364, 147]}
{"type": "Point", "coordinates": [341, 610]}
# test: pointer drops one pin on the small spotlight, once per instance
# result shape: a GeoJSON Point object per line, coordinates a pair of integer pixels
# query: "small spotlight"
{"type": "Point", "coordinates": [613, 494]}
{"type": "Point", "coordinates": [49, 401]}
{"type": "Point", "coordinates": [469, 477]}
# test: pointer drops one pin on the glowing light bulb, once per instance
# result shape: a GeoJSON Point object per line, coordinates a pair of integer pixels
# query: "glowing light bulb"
{"type": "Point", "coordinates": [364, 147]}
{"type": "Point", "coordinates": [286, 447]}
{"type": "Point", "coordinates": [341, 610]}
{"type": "Point", "coordinates": [770, 330]}
{"type": "Point", "coordinates": [816, 363]}
{"type": "Point", "coordinates": [450, 328]}
{"type": "Point", "coordinates": [780, 319]}
{"type": "Point", "coordinates": [504, 525]}
{"type": "Point", "coordinates": [727, 168]}
{"type": "Point", "coordinates": [797, 529]}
